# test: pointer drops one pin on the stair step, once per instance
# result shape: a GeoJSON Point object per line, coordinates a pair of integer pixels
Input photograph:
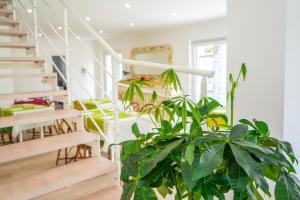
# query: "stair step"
{"type": "Point", "coordinates": [21, 95]}
{"type": "Point", "coordinates": [8, 22]}
{"type": "Point", "coordinates": [38, 117]}
{"type": "Point", "coordinates": [5, 12]}
{"type": "Point", "coordinates": [55, 179]}
{"type": "Point", "coordinates": [17, 45]}
{"type": "Point", "coordinates": [106, 194]}
{"type": "Point", "coordinates": [21, 59]}
{"type": "Point", "coordinates": [13, 33]}
{"type": "Point", "coordinates": [2, 4]}
{"type": "Point", "coordinates": [45, 145]}
{"type": "Point", "coordinates": [28, 75]}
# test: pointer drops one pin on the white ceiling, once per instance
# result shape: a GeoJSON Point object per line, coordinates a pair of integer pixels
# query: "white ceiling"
{"type": "Point", "coordinates": [112, 17]}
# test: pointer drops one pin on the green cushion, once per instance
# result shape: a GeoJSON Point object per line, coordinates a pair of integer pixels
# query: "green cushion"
{"type": "Point", "coordinates": [99, 118]}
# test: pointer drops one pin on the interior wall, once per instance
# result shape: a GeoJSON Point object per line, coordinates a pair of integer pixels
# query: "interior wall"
{"type": "Point", "coordinates": [292, 83]}
{"type": "Point", "coordinates": [178, 37]}
{"type": "Point", "coordinates": [256, 36]}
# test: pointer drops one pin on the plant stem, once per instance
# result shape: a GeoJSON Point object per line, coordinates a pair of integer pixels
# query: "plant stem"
{"type": "Point", "coordinates": [231, 108]}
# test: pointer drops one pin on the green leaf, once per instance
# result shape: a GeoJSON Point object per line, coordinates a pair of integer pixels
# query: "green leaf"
{"type": "Point", "coordinates": [140, 93]}
{"type": "Point", "coordinates": [184, 115]}
{"type": "Point", "coordinates": [249, 123]}
{"type": "Point", "coordinates": [251, 167]}
{"type": "Point", "coordinates": [244, 71]}
{"type": "Point", "coordinates": [149, 163]}
{"type": "Point", "coordinates": [210, 160]}
{"type": "Point", "coordinates": [207, 105]}
{"type": "Point", "coordinates": [240, 194]}
{"type": "Point", "coordinates": [286, 188]}
{"type": "Point", "coordinates": [189, 153]}
{"type": "Point", "coordinates": [238, 177]}
{"type": "Point", "coordinates": [129, 147]}
{"type": "Point", "coordinates": [154, 97]}
{"type": "Point", "coordinates": [163, 190]}
{"type": "Point", "coordinates": [145, 193]}
{"type": "Point", "coordinates": [287, 148]}
{"type": "Point", "coordinates": [128, 190]}
{"type": "Point", "coordinates": [262, 127]}
{"type": "Point", "coordinates": [135, 130]}
{"type": "Point", "coordinates": [253, 192]}
{"type": "Point", "coordinates": [230, 78]}
{"type": "Point", "coordinates": [187, 172]}
{"type": "Point", "coordinates": [271, 172]}
{"type": "Point", "coordinates": [266, 155]}
{"type": "Point", "coordinates": [195, 112]}
{"type": "Point", "coordinates": [238, 132]}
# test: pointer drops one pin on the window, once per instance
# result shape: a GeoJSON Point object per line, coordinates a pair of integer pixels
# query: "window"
{"type": "Point", "coordinates": [107, 77]}
{"type": "Point", "coordinates": [210, 55]}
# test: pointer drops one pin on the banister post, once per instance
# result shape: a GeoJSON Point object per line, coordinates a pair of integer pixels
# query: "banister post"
{"type": "Point", "coordinates": [115, 136]}
{"type": "Point", "coordinates": [36, 27]}
{"type": "Point", "coordinates": [67, 54]}
{"type": "Point", "coordinates": [13, 4]}
{"type": "Point", "coordinates": [204, 86]}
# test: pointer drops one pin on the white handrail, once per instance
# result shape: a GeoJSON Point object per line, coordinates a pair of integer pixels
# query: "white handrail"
{"type": "Point", "coordinates": [116, 56]}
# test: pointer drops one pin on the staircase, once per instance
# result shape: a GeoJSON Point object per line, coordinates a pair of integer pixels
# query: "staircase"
{"type": "Point", "coordinates": [92, 178]}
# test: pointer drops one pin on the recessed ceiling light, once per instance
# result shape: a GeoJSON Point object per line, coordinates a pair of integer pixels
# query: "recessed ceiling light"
{"type": "Point", "coordinates": [40, 35]}
{"type": "Point", "coordinates": [101, 31]}
{"type": "Point", "coordinates": [59, 28]}
{"type": "Point", "coordinates": [29, 10]}
{"type": "Point", "coordinates": [174, 14]}
{"type": "Point", "coordinates": [88, 19]}
{"type": "Point", "coordinates": [77, 37]}
{"type": "Point", "coordinates": [131, 24]}
{"type": "Point", "coordinates": [127, 5]}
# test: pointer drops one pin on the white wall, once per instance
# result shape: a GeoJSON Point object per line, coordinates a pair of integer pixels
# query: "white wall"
{"type": "Point", "coordinates": [292, 81]}
{"type": "Point", "coordinates": [178, 37]}
{"type": "Point", "coordinates": [256, 36]}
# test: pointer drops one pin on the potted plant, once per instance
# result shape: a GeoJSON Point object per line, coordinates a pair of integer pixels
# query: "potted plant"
{"type": "Point", "coordinates": [196, 153]}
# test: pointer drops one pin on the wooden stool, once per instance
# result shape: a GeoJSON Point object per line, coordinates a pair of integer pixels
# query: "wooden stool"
{"type": "Point", "coordinates": [8, 132]}
{"type": "Point", "coordinates": [87, 152]}
{"type": "Point", "coordinates": [58, 126]}
{"type": "Point", "coordinates": [46, 133]}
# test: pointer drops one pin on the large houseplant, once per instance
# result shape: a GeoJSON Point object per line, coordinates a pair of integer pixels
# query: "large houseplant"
{"type": "Point", "coordinates": [197, 154]}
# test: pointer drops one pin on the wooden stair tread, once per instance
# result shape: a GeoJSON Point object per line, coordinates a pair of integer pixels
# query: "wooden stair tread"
{"type": "Point", "coordinates": [55, 179]}
{"type": "Point", "coordinates": [12, 33]}
{"type": "Point", "coordinates": [21, 95]}
{"type": "Point", "coordinates": [27, 75]}
{"type": "Point", "coordinates": [2, 4]}
{"type": "Point", "coordinates": [5, 12]}
{"type": "Point", "coordinates": [38, 117]}
{"type": "Point", "coordinates": [21, 59]}
{"type": "Point", "coordinates": [16, 45]}
{"type": "Point", "coordinates": [45, 145]}
{"type": "Point", "coordinates": [9, 22]}
{"type": "Point", "coordinates": [106, 194]}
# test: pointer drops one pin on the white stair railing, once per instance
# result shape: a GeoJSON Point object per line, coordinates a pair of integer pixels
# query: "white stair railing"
{"type": "Point", "coordinates": [116, 59]}
{"type": "Point", "coordinates": [77, 96]}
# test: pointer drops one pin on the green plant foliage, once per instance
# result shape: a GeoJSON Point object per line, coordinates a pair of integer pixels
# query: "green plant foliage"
{"type": "Point", "coordinates": [187, 156]}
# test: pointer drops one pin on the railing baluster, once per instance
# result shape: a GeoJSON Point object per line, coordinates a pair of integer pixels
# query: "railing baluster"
{"type": "Point", "coordinates": [13, 4]}
{"type": "Point", "coordinates": [67, 53]}
{"type": "Point", "coordinates": [36, 31]}
{"type": "Point", "coordinates": [115, 137]}
{"type": "Point", "coordinates": [204, 86]}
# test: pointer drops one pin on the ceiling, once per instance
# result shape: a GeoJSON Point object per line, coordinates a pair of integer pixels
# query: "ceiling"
{"type": "Point", "coordinates": [113, 17]}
